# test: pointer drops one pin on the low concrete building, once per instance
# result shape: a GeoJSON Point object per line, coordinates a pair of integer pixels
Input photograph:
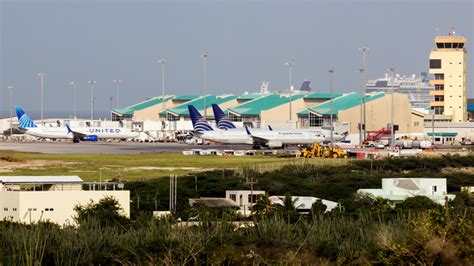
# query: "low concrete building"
{"type": "Point", "coordinates": [399, 189]}
{"type": "Point", "coordinates": [30, 199]}
{"type": "Point", "coordinates": [245, 199]}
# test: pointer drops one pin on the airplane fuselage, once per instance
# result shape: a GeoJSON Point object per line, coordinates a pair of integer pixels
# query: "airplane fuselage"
{"type": "Point", "coordinates": [62, 132]}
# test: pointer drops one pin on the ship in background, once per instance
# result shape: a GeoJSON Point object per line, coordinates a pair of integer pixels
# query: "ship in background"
{"type": "Point", "coordinates": [416, 87]}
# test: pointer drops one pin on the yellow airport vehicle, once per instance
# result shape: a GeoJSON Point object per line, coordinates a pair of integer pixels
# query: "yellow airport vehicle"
{"type": "Point", "coordinates": [317, 150]}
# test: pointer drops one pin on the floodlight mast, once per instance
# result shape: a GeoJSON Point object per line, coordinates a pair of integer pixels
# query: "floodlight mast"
{"type": "Point", "coordinates": [117, 85]}
{"type": "Point", "coordinates": [290, 64]}
{"type": "Point", "coordinates": [204, 57]}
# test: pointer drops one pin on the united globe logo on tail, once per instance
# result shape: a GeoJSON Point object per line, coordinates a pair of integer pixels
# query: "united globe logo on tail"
{"type": "Point", "coordinates": [24, 121]}
{"type": "Point", "coordinates": [199, 123]}
{"type": "Point", "coordinates": [221, 120]}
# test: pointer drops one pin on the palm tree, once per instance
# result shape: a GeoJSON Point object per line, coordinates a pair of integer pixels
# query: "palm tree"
{"type": "Point", "coordinates": [264, 206]}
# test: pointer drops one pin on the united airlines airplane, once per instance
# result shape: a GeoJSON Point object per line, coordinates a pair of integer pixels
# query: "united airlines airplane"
{"type": "Point", "coordinates": [78, 134]}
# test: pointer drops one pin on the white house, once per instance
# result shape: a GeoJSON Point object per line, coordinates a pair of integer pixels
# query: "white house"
{"type": "Point", "coordinates": [245, 199]}
{"type": "Point", "coordinates": [29, 199]}
{"type": "Point", "coordinates": [399, 189]}
{"type": "Point", "coordinates": [303, 204]}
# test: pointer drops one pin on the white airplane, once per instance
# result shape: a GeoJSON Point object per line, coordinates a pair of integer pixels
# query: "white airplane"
{"type": "Point", "coordinates": [278, 137]}
{"type": "Point", "coordinates": [78, 134]}
{"type": "Point", "coordinates": [282, 138]}
{"type": "Point", "coordinates": [203, 130]}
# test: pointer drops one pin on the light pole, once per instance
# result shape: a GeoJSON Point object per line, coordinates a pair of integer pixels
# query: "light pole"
{"type": "Point", "coordinates": [364, 51]}
{"type": "Point", "coordinates": [362, 99]}
{"type": "Point", "coordinates": [74, 84]}
{"type": "Point", "coordinates": [163, 62]}
{"type": "Point", "coordinates": [11, 87]}
{"type": "Point", "coordinates": [331, 75]}
{"type": "Point", "coordinates": [290, 64]}
{"type": "Point", "coordinates": [117, 84]}
{"type": "Point", "coordinates": [91, 83]}
{"type": "Point", "coordinates": [392, 130]}
{"type": "Point", "coordinates": [41, 76]}
{"type": "Point", "coordinates": [204, 57]}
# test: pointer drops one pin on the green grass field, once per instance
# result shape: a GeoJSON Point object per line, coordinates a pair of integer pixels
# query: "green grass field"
{"type": "Point", "coordinates": [128, 167]}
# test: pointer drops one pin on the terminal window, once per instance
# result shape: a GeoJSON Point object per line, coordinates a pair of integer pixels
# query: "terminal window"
{"type": "Point", "coordinates": [435, 63]}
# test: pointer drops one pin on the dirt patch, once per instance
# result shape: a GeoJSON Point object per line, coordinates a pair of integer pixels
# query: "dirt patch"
{"type": "Point", "coordinates": [11, 166]}
{"type": "Point", "coordinates": [162, 168]}
{"type": "Point", "coordinates": [464, 170]}
{"type": "Point", "coordinates": [10, 159]}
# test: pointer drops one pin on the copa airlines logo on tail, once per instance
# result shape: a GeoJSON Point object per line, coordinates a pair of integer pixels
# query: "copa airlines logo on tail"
{"type": "Point", "coordinates": [222, 121]}
{"type": "Point", "coordinates": [24, 121]}
{"type": "Point", "coordinates": [199, 123]}
{"type": "Point", "coordinates": [202, 125]}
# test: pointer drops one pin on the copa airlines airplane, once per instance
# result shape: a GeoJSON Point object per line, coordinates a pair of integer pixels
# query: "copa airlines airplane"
{"type": "Point", "coordinates": [78, 134]}
{"type": "Point", "coordinates": [278, 137]}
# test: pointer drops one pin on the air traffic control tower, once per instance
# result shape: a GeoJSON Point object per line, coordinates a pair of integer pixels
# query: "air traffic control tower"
{"type": "Point", "coordinates": [448, 64]}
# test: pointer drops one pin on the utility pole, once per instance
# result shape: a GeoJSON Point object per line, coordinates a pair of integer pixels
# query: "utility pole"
{"type": "Point", "coordinates": [41, 76]}
{"type": "Point", "coordinates": [331, 76]}
{"type": "Point", "coordinates": [117, 85]}
{"type": "Point", "coordinates": [204, 57]}
{"type": "Point", "coordinates": [173, 192]}
{"type": "Point", "coordinates": [362, 96]}
{"type": "Point", "coordinates": [251, 183]}
{"type": "Point", "coordinates": [392, 127]}
{"type": "Point", "coordinates": [92, 82]}
{"type": "Point", "coordinates": [74, 84]}
{"type": "Point", "coordinates": [290, 64]}
{"type": "Point", "coordinates": [11, 87]}
{"type": "Point", "coordinates": [364, 51]}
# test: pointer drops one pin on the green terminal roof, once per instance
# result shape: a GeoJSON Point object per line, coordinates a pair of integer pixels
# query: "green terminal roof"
{"type": "Point", "coordinates": [140, 106]}
{"type": "Point", "coordinates": [443, 134]}
{"type": "Point", "coordinates": [254, 107]}
{"type": "Point", "coordinates": [185, 97]}
{"type": "Point", "coordinates": [250, 96]}
{"type": "Point", "coordinates": [322, 95]}
{"type": "Point", "coordinates": [343, 102]}
{"type": "Point", "coordinates": [182, 109]}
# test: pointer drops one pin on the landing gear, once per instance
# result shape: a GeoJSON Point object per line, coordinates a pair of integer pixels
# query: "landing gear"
{"type": "Point", "coordinates": [75, 140]}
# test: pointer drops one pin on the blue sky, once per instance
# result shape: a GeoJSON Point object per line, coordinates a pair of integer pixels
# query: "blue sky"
{"type": "Point", "coordinates": [247, 41]}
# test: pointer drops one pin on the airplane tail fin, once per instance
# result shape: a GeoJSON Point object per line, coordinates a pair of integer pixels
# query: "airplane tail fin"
{"type": "Point", "coordinates": [221, 120]}
{"type": "Point", "coordinates": [23, 119]}
{"type": "Point", "coordinates": [199, 124]}
{"type": "Point", "coordinates": [68, 129]}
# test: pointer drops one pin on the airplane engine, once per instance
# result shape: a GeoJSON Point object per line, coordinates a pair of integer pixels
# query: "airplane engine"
{"type": "Point", "coordinates": [275, 144]}
{"type": "Point", "coordinates": [90, 138]}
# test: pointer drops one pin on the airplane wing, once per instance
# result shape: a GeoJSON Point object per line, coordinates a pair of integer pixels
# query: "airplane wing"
{"type": "Point", "coordinates": [259, 140]}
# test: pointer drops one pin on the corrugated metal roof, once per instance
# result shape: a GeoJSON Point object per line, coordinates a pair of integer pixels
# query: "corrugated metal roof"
{"type": "Point", "coordinates": [182, 109]}
{"type": "Point", "coordinates": [343, 102]}
{"type": "Point", "coordinates": [256, 106]}
{"type": "Point", "coordinates": [40, 179]}
{"type": "Point", "coordinates": [214, 202]}
{"type": "Point", "coordinates": [140, 106]}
